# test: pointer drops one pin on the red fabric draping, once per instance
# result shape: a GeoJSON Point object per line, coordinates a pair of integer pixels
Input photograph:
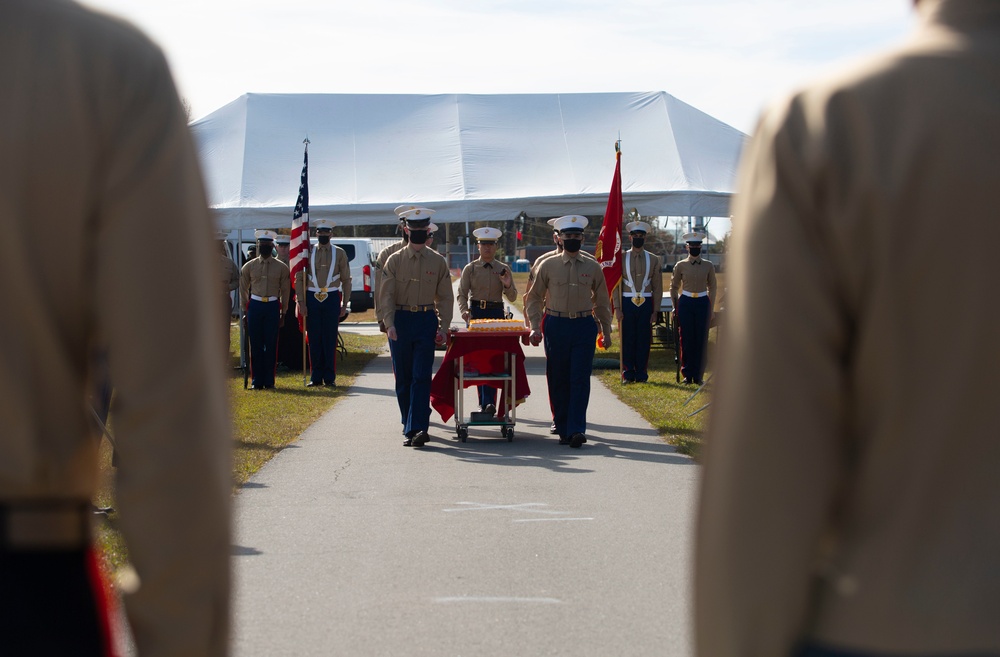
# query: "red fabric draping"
{"type": "Point", "coordinates": [484, 353]}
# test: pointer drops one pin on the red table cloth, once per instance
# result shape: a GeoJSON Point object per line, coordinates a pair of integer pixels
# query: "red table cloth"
{"type": "Point", "coordinates": [484, 354]}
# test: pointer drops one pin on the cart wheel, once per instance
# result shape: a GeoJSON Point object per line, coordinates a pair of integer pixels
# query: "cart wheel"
{"type": "Point", "coordinates": [463, 435]}
{"type": "Point", "coordinates": [510, 434]}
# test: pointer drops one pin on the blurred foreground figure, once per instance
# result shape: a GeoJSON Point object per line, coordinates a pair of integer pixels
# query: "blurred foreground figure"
{"type": "Point", "coordinates": [95, 151]}
{"type": "Point", "coordinates": [850, 501]}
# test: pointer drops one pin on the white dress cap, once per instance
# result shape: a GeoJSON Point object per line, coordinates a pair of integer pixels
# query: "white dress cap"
{"type": "Point", "coordinates": [570, 222]}
{"type": "Point", "coordinates": [264, 235]}
{"type": "Point", "coordinates": [637, 227]}
{"type": "Point", "coordinates": [400, 209]}
{"type": "Point", "coordinates": [282, 239]}
{"type": "Point", "coordinates": [323, 224]}
{"type": "Point", "coordinates": [487, 234]}
{"type": "Point", "coordinates": [220, 235]}
{"type": "Point", "coordinates": [693, 237]}
{"type": "Point", "coordinates": [432, 227]}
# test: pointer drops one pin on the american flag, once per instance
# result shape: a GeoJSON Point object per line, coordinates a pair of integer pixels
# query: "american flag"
{"type": "Point", "coordinates": [298, 252]}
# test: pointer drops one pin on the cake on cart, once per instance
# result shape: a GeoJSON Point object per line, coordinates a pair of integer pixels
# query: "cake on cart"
{"type": "Point", "coordinates": [488, 352]}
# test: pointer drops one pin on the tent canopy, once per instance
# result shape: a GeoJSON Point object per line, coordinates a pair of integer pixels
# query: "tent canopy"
{"type": "Point", "coordinates": [469, 157]}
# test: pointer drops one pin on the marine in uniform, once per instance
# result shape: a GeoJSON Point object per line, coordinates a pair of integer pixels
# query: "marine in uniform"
{"type": "Point", "coordinates": [692, 289]}
{"type": "Point", "coordinates": [264, 291]}
{"type": "Point", "coordinates": [569, 290]}
{"type": "Point", "coordinates": [637, 300]}
{"type": "Point", "coordinates": [481, 290]}
{"type": "Point", "coordinates": [416, 300]}
{"type": "Point", "coordinates": [383, 256]}
{"type": "Point", "coordinates": [289, 336]}
{"type": "Point", "coordinates": [323, 300]}
{"type": "Point", "coordinates": [92, 125]}
{"type": "Point", "coordinates": [229, 279]}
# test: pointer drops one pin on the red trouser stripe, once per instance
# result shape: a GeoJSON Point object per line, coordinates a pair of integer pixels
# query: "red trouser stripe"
{"type": "Point", "coordinates": [102, 602]}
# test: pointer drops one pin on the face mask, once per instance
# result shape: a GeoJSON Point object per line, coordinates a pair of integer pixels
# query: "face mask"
{"type": "Point", "coordinates": [418, 236]}
{"type": "Point", "coordinates": [265, 250]}
{"type": "Point", "coordinates": [637, 242]}
{"type": "Point", "coordinates": [572, 245]}
{"type": "Point", "coordinates": [695, 251]}
{"type": "Point", "coordinates": [323, 239]}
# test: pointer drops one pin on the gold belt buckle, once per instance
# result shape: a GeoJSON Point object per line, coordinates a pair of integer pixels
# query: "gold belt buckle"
{"type": "Point", "coordinates": [265, 299]}
{"type": "Point", "coordinates": [571, 315]}
{"type": "Point", "coordinates": [321, 296]}
{"type": "Point", "coordinates": [414, 309]}
{"type": "Point", "coordinates": [638, 300]}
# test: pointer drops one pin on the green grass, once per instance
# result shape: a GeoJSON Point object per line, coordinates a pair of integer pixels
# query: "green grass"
{"type": "Point", "coordinates": [664, 403]}
{"type": "Point", "coordinates": [264, 422]}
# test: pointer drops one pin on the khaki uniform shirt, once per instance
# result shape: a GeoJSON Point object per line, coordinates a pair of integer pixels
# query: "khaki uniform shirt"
{"type": "Point", "coordinates": [480, 281]}
{"type": "Point", "coordinates": [229, 274]}
{"type": "Point", "coordinates": [695, 275]}
{"type": "Point", "coordinates": [634, 262]}
{"type": "Point", "coordinates": [850, 490]}
{"type": "Point", "coordinates": [534, 271]}
{"type": "Point", "coordinates": [569, 284]}
{"type": "Point", "coordinates": [380, 261]}
{"type": "Point", "coordinates": [265, 277]}
{"type": "Point", "coordinates": [417, 278]}
{"type": "Point", "coordinates": [322, 257]}
{"type": "Point", "coordinates": [90, 124]}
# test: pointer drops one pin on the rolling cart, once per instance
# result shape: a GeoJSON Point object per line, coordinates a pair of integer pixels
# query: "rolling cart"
{"type": "Point", "coordinates": [492, 358]}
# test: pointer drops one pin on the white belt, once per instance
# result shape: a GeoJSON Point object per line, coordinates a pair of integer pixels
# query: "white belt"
{"type": "Point", "coordinates": [324, 289]}
{"type": "Point", "coordinates": [694, 295]}
{"type": "Point", "coordinates": [264, 299]}
{"type": "Point", "coordinates": [633, 294]}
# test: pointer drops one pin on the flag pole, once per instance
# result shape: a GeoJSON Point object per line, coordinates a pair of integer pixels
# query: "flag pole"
{"type": "Point", "coordinates": [305, 290]}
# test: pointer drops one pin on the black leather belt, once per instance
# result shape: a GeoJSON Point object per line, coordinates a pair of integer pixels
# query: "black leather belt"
{"type": "Point", "coordinates": [556, 313]}
{"type": "Point", "coordinates": [416, 309]}
{"type": "Point", "coordinates": [483, 305]}
{"type": "Point", "coordinates": [45, 524]}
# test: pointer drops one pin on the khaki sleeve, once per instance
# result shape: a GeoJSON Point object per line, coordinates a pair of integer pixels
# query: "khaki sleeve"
{"type": "Point", "coordinates": [535, 296]}
{"type": "Point", "coordinates": [386, 306]}
{"type": "Point", "coordinates": [445, 296]}
{"type": "Point", "coordinates": [234, 275]}
{"type": "Point", "coordinates": [244, 287]}
{"type": "Point", "coordinates": [172, 428]}
{"type": "Point", "coordinates": [656, 281]}
{"type": "Point", "coordinates": [344, 269]}
{"type": "Point", "coordinates": [284, 281]}
{"type": "Point", "coordinates": [510, 293]}
{"type": "Point", "coordinates": [712, 284]}
{"type": "Point", "coordinates": [464, 286]}
{"type": "Point", "coordinates": [773, 458]}
{"type": "Point", "coordinates": [676, 278]}
{"type": "Point", "coordinates": [602, 302]}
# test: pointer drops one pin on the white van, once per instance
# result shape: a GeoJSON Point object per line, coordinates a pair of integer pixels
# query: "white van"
{"type": "Point", "coordinates": [361, 255]}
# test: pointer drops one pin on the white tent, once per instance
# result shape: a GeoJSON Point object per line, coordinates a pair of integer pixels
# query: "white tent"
{"type": "Point", "coordinates": [469, 157]}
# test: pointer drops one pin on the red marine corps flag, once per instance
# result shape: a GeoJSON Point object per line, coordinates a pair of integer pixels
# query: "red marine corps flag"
{"type": "Point", "coordinates": [609, 243]}
{"type": "Point", "coordinates": [298, 253]}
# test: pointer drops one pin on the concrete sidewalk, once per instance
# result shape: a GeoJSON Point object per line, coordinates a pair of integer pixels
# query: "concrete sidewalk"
{"type": "Point", "coordinates": [348, 543]}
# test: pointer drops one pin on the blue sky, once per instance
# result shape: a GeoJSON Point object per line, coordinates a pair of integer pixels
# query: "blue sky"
{"type": "Point", "coordinates": [724, 57]}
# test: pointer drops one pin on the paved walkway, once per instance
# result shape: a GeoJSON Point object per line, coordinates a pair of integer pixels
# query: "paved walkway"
{"type": "Point", "coordinates": [348, 543]}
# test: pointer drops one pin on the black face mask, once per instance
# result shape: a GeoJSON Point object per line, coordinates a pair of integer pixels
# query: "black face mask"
{"type": "Point", "coordinates": [323, 239]}
{"type": "Point", "coordinates": [637, 242]}
{"type": "Point", "coordinates": [265, 250]}
{"type": "Point", "coordinates": [418, 236]}
{"type": "Point", "coordinates": [572, 245]}
{"type": "Point", "coordinates": [695, 251]}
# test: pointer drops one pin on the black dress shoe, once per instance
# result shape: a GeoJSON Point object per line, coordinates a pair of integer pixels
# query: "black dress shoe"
{"type": "Point", "coordinates": [330, 384]}
{"type": "Point", "coordinates": [563, 440]}
{"type": "Point", "coordinates": [687, 380]}
{"type": "Point", "coordinates": [552, 428]}
{"type": "Point", "coordinates": [255, 388]}
{"type": "Point", "coordinates": [420, 439]}
{"type": "Point", "coordinates": [490, 410]}
{"type": "Point", "coordinates": [699, 382]}
{"type": "Point", "coordinates": [314, 384]}
{"type": "Point", "coordinates": [577, 440]}
{"type": "Point", "coordinates": [408, 442]}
